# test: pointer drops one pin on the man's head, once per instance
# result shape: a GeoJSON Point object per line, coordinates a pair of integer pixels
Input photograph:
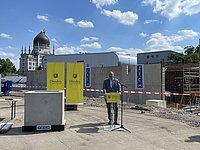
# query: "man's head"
{"type": "Point", "coordinates": [111, 75]}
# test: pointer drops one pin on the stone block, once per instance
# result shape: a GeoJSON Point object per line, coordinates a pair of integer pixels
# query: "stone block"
{"type": "Point", "coordinates": [156, 103]}
{"type": "Point", "coordinates": [44, 108]}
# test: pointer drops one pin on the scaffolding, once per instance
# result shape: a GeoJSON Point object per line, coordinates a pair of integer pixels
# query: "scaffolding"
{"type": "Point", "coordinates": [191, 85]}
{"type": "Point", "coordinates": [183, 78]}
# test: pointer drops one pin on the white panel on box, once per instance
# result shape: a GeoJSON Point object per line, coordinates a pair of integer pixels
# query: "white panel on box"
{"type": "Point", "coordinates": [44, 108]}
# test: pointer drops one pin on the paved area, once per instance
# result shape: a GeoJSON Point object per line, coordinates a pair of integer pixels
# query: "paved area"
{"type": "Point", "coordinates": [84, 130]}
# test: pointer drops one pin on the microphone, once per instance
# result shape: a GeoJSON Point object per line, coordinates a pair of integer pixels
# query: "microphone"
{"type": "Point", "coordinates": [122, 84]}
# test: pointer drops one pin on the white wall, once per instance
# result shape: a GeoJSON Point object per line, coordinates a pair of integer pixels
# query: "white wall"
{"type": "Point", "coordinates": [90, 59]}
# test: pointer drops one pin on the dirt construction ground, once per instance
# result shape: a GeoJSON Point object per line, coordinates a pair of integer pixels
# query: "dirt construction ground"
{"type": "Point", "coordinates": [87, 129]}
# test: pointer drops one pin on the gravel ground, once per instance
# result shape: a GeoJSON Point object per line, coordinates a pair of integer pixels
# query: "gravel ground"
{"type": "Point", "coordinates": [180, 115]}
{"type": "Point", "coordinates": [85, 129]}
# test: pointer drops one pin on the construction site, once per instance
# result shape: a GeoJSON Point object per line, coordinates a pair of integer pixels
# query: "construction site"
{"type": "Point", "coordinates": [183, 78]}
{"type": "Point", "coordinates": [159, 104]}
{"type": "Point", "coordinates": [151, 127]}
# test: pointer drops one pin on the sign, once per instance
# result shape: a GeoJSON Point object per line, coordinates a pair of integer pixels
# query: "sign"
{"type": "Point", "coordinates": [139, 76]}
{"type": "Point", "coordinates": [88, 77]}
{"type": "Point", "coordinates": [74, 79]}
{"type": "Point", "coordinates": [55, 76]}
{"type": "Point", "coordinates": [43, 127]}
{"type": "Point", "coordinates": [113, 97]}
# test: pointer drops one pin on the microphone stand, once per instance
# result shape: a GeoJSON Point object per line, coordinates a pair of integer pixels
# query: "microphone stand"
{"type": "Point", "coordinates": [122, 99]}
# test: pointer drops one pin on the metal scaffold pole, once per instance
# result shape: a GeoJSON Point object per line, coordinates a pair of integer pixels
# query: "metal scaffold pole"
{"type": "Point", "coordinates": [199, 76]}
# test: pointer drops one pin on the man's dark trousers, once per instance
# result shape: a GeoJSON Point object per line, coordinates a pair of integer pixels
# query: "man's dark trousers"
{"type": "Point", "coordinates": [115, 108]}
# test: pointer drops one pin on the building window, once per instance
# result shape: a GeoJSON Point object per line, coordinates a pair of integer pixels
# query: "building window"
{"type": "Point", "coordinates": [157, 56]}
{"type": "Point", "coordinates": [152, 56]}
{"type": "Point", "coordinates": [79, 61]}
{"type": "Point", "coordinates": [148, 57]}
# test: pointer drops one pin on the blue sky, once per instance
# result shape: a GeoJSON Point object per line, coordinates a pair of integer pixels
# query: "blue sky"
{"type": "Point", "coordinates": [125, 26]}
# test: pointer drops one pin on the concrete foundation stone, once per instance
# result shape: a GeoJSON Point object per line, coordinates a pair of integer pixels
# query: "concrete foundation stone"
{"type": "Point", "coordinates": [44, 108]}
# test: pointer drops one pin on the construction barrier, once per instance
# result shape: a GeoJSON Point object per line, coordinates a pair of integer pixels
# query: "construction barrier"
{"type": "Point", "coordinates": [126, 92]}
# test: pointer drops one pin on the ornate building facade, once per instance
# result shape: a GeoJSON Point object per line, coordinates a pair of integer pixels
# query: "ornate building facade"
{"type": "Point", "coordinates": [31, 60]}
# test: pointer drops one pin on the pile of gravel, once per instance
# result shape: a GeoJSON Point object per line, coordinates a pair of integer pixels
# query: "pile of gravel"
{"type": "Point", "coordinates": [96, 102]}
{"type": "Point", "coordinates": [179, 115]}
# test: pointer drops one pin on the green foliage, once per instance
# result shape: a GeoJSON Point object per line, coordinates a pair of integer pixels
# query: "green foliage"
{"type": "Point", "coordinates": [6, 66]}
{"type": "Point", "coordinates": [39, 68]}
{"type": "Point", "coordinates": [176, 58]}
{"type": "Point", "coordinates": [189, 50]}
{"type": "Point", "coordinates": [191, 55]}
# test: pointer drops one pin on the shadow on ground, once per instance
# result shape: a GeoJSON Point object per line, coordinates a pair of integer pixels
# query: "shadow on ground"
{"type": "Point", "coordinates": [18, 131]}
{"type": "Point", "coordinates": [1, 119]}
{"type": "Point", "coordinates": [195, 138]}
{"type": "Point", "coordinates": [88, 127]}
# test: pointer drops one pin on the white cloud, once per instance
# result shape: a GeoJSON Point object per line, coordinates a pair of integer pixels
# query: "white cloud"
{"type": "Point", "coordinates": [191, 7]}
{"type": "Point", "coordinates": [95, 45]}
{"type": "Point", "coordinates": [126, 18]}
{"type": "Point", "coordinates": [142, 34]}
{"type": "Point", "coordinates": [94, 38]}
{"type": "Point", "coordinates": [85, 24]}
{"type": "Point", "coordinates": [82, 23]}
{"type": "Point", "coordinates": [13, 58]}
{"type": "Point", "coordinates": [42, 18]}
{"type": "Point", "coordinates": [100, 3]}
{"type": "Point", "coordinates": [15, 62]}
{"type": "Point", "coordinates": [6, 36]}
{"type": "Point", "coordinates": [158, 42]}
{"type": "Point", "coordinates": [172, 8]}
{"type": "Point", "coordinates": [10, 47]}
{"type": "Point", "coordinates": [31, 31]}
{"type": "Point", "coordinates": [184, 35]}
{"type": "Point", "coordinates": [188, 33]}
{"type": "Point", "coordinates": [123, 51]}
{"type": "Point", "coordinates": [65, 50]}
{"type": "Point", "coordinates": [54, 40]}
{"type": "Point", "coordinates": [89, 39]}
{"type": "Point", "coordinates": [69, 50]}
{"type": "Point", "coordinates": [6, 54]}
{"type": "Point", "coordinates": [152, 21]}
{"type": "Point", "coordinates": [85, 39]}
{"type": "Point", "coordinates": [69, 20]}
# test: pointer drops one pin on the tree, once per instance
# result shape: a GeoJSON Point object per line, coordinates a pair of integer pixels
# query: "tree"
{"type": "Point", "coordinates": [197, 49]}
{"type": "Point", "coordinates": [191, 55]}
{"type": "Point", "coordinates": [191, 58]}
{"type": "Point", "coordinates": [176, 58]}
{"type": "Point", "coordinates": [189, 50]}
{"type": "Point", "coordinates": [6, 66]}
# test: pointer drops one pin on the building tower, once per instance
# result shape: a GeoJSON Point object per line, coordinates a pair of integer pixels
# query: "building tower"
{"type": "Point", "coordinates": [33, 59]}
